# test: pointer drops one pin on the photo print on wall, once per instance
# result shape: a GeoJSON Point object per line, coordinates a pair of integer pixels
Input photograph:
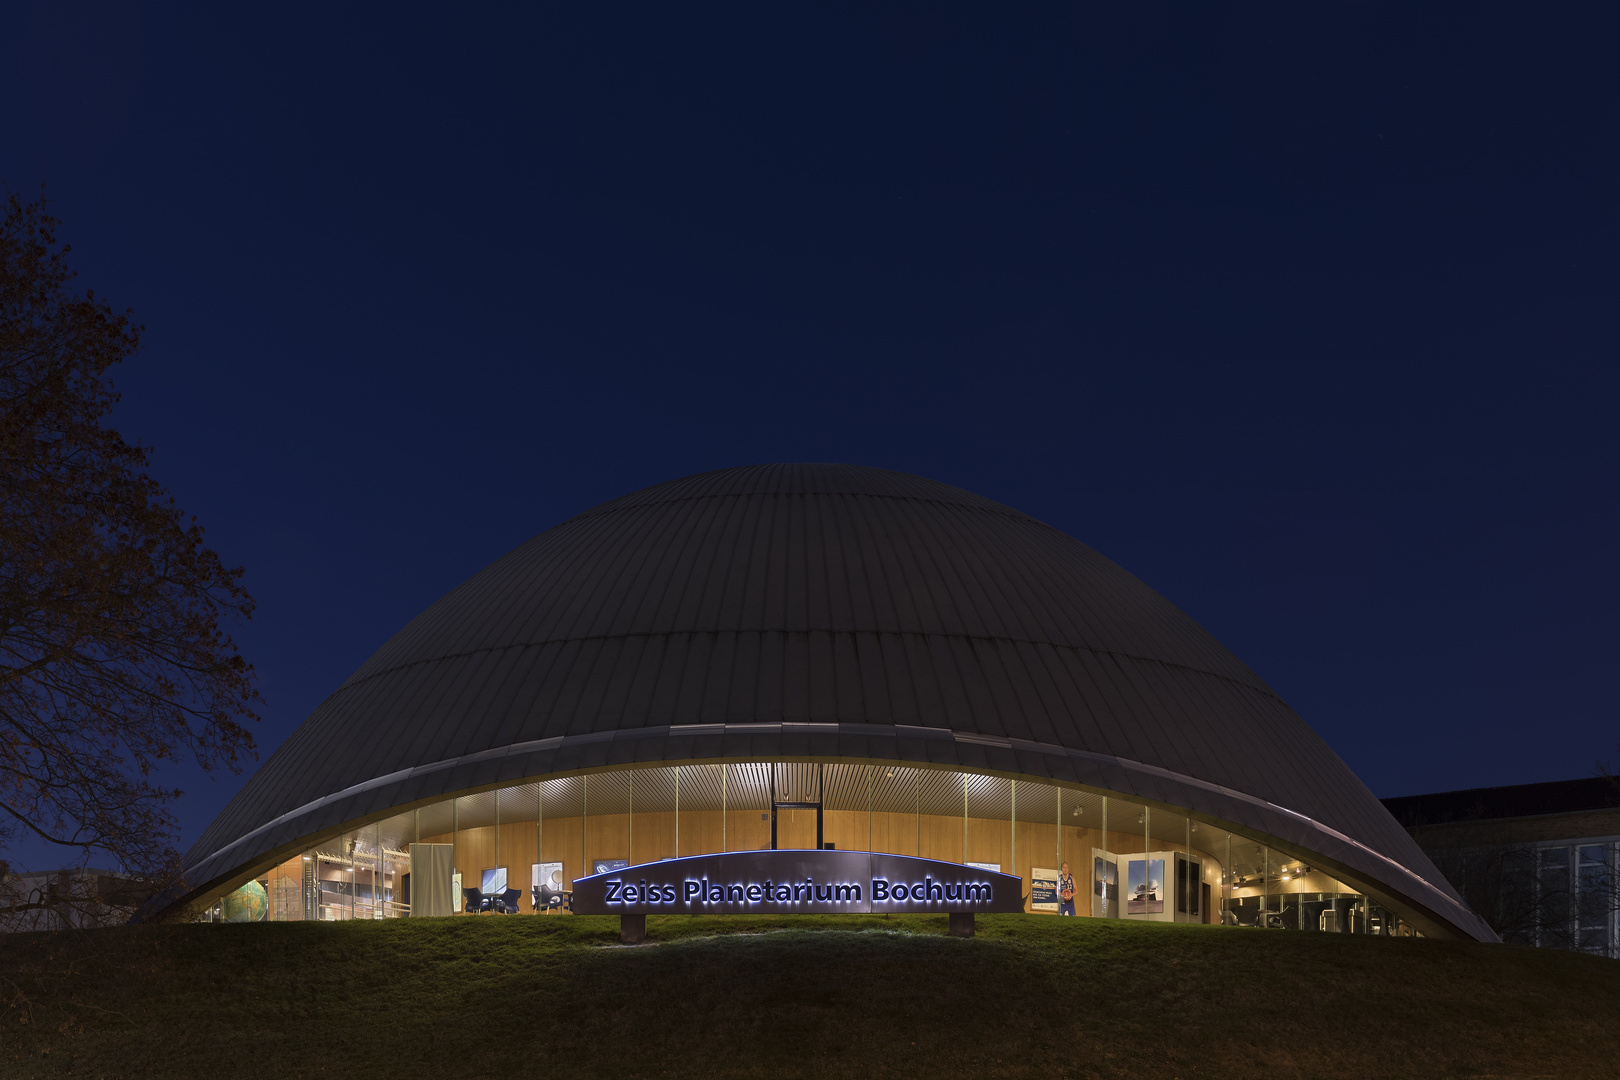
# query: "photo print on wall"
{"type": "Point", "coordinates": [1043, 895]}
{"type": "Point", "coordinates": [1104, 878]}
{"type": "Point", "coordinates": [1145, 887]}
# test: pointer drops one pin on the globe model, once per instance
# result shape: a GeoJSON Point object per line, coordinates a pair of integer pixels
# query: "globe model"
{"type": "Point", "coordinates": [247, 904]}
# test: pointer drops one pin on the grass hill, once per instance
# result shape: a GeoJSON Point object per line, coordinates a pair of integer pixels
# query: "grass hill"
{"type": "Point", "coordinates": [1031, 996]}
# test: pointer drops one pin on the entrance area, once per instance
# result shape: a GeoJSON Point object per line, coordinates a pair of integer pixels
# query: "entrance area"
{"type": "Point", "coordinates": [796, 807]}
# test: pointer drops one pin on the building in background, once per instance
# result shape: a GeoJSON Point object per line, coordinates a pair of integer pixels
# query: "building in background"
{"type": "Point", "coordinates": [798, 656]}
{"type": "Point", "coordinates": [1536, 861]}
{"type": "Point", "coordinates": [70, 899]}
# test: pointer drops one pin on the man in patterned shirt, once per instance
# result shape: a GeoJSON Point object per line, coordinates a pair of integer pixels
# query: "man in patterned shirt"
{"type": "Point", "coordinates": [1065, 891]}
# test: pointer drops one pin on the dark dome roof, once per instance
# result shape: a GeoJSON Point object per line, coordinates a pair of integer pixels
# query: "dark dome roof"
{"type": "Point", "coordinates": [827, 611]}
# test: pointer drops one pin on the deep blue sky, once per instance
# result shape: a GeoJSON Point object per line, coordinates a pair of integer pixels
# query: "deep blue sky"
{"type": "Point", "coordinates": [1307, 319]}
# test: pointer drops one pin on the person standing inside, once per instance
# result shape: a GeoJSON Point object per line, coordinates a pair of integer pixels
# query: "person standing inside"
{"type": "Point", "coordinates": [1065, 891]}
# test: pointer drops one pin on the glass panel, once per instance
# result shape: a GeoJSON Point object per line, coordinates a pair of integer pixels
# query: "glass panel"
{"type": "Point", "coordinates": [368, 874]}
{"type": "Point", "coordinates": [436, 823]}
{"type": "Point", "coordinates": [1247, 878]}
{"type": "Point", "coordinates": [748, 807]}
{"type": "Point", "coordinates": [940, 834]}
{"type": "Point", "coordinates": [516, 845]}
{"type": "Point", "coordinates": [1082, 814]}
{"type": "Point", "coordinates": [1036, 840]}
{"type": "Point", "coordinates": [797, 782]}
{"type": "Point", "coordinates": [475, 848]}
{"type": "Point", "coordinates": [1082, 845]}
{"type": "Point", "coordinates": [797, 826]}
{"type": "Point", "coordinates": [284, 890]}
{"type": "Point", "coordinates": [652, 815]}
{"type": "Point", "coordinates": [394, 837]}
{"type": "Point", "coordinates": [332, 880]}
{"type": "Point", "coordinates": [607, 821]}
{"type": "Point", "coordinates": [1126, 824]}
{"type": "Point", "coordinates": [700, 827]}
{"type": "Point", "coordinates": [846, 794]}
{"type": "Point", "coordinates": [896, 798]}
{"type": "Point", "coordinates": [562, 828]}
{"type": "Point", "coordinates": [989, 836]}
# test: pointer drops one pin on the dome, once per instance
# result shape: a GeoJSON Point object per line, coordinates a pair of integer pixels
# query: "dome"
{"type": "Point", "coordinates": [819, 613]}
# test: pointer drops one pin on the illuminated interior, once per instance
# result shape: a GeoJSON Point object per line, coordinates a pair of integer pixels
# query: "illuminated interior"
{"type": "Point", "coordinates": [1128, 860]}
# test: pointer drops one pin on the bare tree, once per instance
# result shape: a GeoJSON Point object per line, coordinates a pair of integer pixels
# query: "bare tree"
{"type": "Point", "coordinates": [113, 659]}
{"type": "Point", "coordinates": [1551, 895]}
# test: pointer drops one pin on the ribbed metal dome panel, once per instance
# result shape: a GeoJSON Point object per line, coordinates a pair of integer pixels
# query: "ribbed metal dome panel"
{"type": "Point", "coordinates": [817, 610]}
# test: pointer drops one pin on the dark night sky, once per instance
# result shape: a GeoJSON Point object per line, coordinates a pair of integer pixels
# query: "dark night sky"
{"type": "Point", "coordinates": [1307, 319]}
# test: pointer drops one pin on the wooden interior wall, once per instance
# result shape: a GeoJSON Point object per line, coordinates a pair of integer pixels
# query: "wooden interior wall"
{"type": "Point", "coordinates": [895, 833]}
{"type": "Point", "coordinates": [941, 838]}
{"type": "Point", "coordinates": [701, 832]}
{"type": "Point", "coordinates": [748, 830]}
{"type": "Point", "coordinates": [560, 842]}
{"type": "Point", "coordinates": [652, 837]}
{"type": "Point", "coordinates": [475, 853]}
{"type": "Point", "coordinates": [845, 829]}
{"type": "Point", "coordinates": [607, 836]}
{"type": "Point", "coordinates": [989, 841]}
{"type": "Point", "coordinates": [518, 853]}
{"type": "Point", "coordinates": [796, 828]}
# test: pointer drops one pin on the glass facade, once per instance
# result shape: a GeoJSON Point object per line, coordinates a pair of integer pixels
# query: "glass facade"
{"type": "Point", "coordinates": [517, 849]}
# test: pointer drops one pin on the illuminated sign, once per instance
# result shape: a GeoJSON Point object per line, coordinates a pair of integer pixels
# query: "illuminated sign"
{"type": "Point", "coordinates": [796, 881]}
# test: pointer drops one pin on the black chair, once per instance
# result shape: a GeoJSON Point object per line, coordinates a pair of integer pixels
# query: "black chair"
{"type": "Point", "coordinates": [476, 900]}
{"type": "Point", "coordinates": [507, 902]}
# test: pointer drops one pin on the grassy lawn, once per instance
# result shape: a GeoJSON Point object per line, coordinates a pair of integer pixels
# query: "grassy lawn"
{"type": "Point", "coordinates": [850, 996]}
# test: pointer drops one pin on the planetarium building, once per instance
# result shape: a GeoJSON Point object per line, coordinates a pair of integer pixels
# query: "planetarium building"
{"type": "Point", "coordinates": [812, 657]}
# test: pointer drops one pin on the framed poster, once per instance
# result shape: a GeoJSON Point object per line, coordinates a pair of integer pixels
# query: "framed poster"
{"type": "Point", "coordinates": [1104, 886]}
{"type": "Point", "coordinates": [1104, 878]}
{"type": "Point", "coordinates": [607, 866]}
{"type": "Point", "coordinates": [547, 875]}
{"type": "Point", "coordinates": [993, 867]}
{"type": "Point", "coordinates": [1043, 889]}
{"type": "Point", "coordinates": [1144, 887]}
{"type": "Point", "coordinates": [457, 897]}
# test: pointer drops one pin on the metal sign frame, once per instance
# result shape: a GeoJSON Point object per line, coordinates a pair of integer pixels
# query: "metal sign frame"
{"type": "Point", "coordinates": [797, 881]}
